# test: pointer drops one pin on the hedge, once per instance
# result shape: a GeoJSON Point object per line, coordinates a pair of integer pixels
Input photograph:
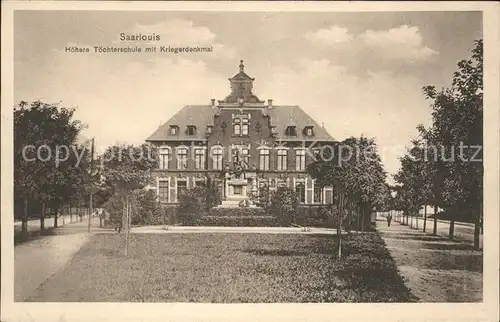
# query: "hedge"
{"type": "Point", "coordinates": [237, 212]}
{"type": "Point", "coordinates": [236, 221]}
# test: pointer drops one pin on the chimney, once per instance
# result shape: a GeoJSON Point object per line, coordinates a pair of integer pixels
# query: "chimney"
{"type": "Point", "coordinates": [270, 103]}
{"type": "Point", "coordinates": [213, 102]}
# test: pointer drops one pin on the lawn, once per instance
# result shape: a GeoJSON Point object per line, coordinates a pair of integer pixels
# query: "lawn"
{"type": "Point", "coordinates": [227, 268]}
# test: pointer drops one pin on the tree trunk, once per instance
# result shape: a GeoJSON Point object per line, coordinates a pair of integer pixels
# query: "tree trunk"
{"type": "Point", "coordinates": [416, 219]}
{"type": "Point", "coordinates": [339, 228]}
{"type": "Point", "coordinates": [349, 215]}
{"type": "Point", "coordinates": [435, 229]}
{"type": "Point", "coordinates": [24, 220]}
{"type": "Point", "coordinates": [70, 215]}
{"type": "Point", "coordinates": [425, 217]}
{"type": "Point", "coordinates": [42, 217]}
{"type": "Point", "coordinates": [56, 210]}
{"type": "Point", "coordinates": [477, 229]}
{"type": "Point", "coordinates": [125, 219]}
{"type": "Point", "coordinates": [363, 219]}
{"type": "Point", "coordinates": [452, 229]}
{"type": "Point", "coordinates": [358, 213]}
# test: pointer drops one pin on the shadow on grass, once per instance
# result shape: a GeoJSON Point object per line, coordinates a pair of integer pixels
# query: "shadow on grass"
{"type": "Point", "coordinates": [452, 246]}
{"type": "Point", "coordinates": [275, 252]}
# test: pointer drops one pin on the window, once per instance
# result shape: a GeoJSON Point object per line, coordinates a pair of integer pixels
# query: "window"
{"type": "Point", "coordinates": [217, 158]}
{"type": "Point", "coordinates": [236, 129]}
{"type": "Point", "coordinates": [182, 159]}
{"type": "Point", "coordinates": [209, 129]}
{"type": "Point", "coordinates": [308, 131]}
{"type": "Point", "coordinates": [300, 189]}
{"type": "Point", "coordinates": [173, 129]}
{"type": "Point", "coordinates": [291, 131]}
{"type": "Point", "coordinates": [264, 159]}
{"type": "Point", "coordinates": [282, 160]}
{"type": "Point", "coordinates": [240, 124]}
{"type": "Point", "coordinates": [164, 157]}
{"type": "Point", "coordinates": [199, 183]}
{"type": "Point", "coordinates": [199, 159]}
{"type": "Point", "coordinates": [273, 130]}
{"type": "Point", "coordinates": [244, 126]}
{"type": "Point", "coordinates": [300, 160]}
{"type": "Point", "coordinates": [318, 194]}
{"type": "Point", "coordinates": [238, 190]}
{"type": "Point", "coordinates": [163, 191]}
{"type": "Point", "coordinates": [181, 187]}
{"type": "Point", "coordinates": [245, 156]}
{"type": "Point", "coordinates": [191, 130]}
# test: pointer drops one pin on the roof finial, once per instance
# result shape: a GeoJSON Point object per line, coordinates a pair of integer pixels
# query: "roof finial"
{"type": "Point", "coordinates": [241, 66]}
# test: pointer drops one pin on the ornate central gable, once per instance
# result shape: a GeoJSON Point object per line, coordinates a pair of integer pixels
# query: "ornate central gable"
{"type": "Point", "coordinates": [241, 89]}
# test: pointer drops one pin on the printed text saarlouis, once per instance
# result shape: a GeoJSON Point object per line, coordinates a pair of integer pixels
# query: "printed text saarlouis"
{"type": "Point", "coordinates": [139, 37]}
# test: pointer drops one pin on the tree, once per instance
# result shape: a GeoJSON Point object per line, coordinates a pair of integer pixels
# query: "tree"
{"type": "Point", "coordinates": [44, 163]}
{"type": "Point", "coordinates": [127, 168]}
{"type": "Point", "coordinates": [415, 190]}
{"type": "Point", "coordinates": [353, 167]}
{"type": "Point", "coordinates": [456, 138]}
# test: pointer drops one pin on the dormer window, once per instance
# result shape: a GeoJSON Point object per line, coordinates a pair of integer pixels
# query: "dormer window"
{"type": "Point", "coordinates": [209, 129]}
{"type": "Point", "coordinates": [191, 130]}
{"type": "Point", "coordinates": [173, 130]}
{"type": "Point", "coordinates": [308, 131]}
{"type": "Point", "coordinates": [273, 130]}
{"type": "Point", "coordinates": [291, 131]}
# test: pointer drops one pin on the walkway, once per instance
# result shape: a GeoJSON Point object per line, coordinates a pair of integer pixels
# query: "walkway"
{"type": "Point", "coordinates": [35, 261]}
{"type": "Point", "coordinates": [217, 229]}
{"type": "Point", "coordinates": [435, 268]}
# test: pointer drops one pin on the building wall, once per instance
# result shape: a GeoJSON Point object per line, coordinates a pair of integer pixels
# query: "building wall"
{"type": "Point", "coordinates": [224, 137]}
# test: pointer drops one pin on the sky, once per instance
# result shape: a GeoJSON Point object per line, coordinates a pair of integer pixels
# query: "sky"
{"type": "Point", "coordinates": [358, 73]}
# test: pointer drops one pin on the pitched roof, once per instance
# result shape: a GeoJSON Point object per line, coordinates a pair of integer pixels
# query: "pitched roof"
{"type": "Point", "coordinates": [283, 116]}
{"type": "Point", "coordinates": [197, 115]}
{"type": "Point", "coordinates": [241, 76]}
{"type": "Point", "coordinates": [201, 115]}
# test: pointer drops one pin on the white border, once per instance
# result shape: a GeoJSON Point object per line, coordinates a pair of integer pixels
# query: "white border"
{"type": "Point", "coordinates": [486, 311]}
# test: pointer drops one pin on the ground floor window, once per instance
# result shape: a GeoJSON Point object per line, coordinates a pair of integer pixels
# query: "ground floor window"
{"type": "Point", "coordinates": [181, 187]}
{"type": "Point", "coordinates": [200, 183]}
{"type": "Point", "coordinates": [318, 194]}
{"type": "Point", "coordinates": [163, 190]}
{"type": "Point", "coordinates": [300, 189]}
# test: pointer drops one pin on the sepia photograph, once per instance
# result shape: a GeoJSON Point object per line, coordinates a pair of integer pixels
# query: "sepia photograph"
{"type": "Point", "coordinates": [249, 156]}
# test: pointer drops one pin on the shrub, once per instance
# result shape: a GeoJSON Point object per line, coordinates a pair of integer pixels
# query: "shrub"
{"type": "Point", "coordinates": [196, 200]}
{"type": "Point", "coordinates": [237, 221]}
{"type": "Point", "coordinates": [317, 216]}
{"type": "Point", "coordinates": [284, 203]}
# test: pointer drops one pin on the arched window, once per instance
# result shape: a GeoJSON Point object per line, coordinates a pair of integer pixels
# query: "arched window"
{"type": "Point", "coordinates": [182, 157]}
{"type": "Point", "coordinates": [164, 153]}
{"type": "Point", "coordinates": [199, 159]}
{"type": "Point", "coordinates": [282, 160]}
{"type": "Point", "coordinates": [300, 160]}
{"type": "Point", "coordinates": [264, 159]}
{"type": "Point", "coordinates": [217, 157]}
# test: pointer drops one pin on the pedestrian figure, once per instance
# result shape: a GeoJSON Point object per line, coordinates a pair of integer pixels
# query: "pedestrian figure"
{"type": "Point", "coordinates": [389, 218]}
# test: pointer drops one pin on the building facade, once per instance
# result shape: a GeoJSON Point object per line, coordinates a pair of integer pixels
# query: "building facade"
{"type": "Point", "coordinates": [242, 144]}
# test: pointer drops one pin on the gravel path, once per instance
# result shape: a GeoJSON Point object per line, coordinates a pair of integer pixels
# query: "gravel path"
{"type": "Point", "coordinates": [35, 261]}
{"type": "Point", "coordinates": [436, 269]}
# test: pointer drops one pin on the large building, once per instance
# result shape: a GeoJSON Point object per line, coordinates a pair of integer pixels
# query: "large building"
{"type": "Point", "coordinates": [242, 144]}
